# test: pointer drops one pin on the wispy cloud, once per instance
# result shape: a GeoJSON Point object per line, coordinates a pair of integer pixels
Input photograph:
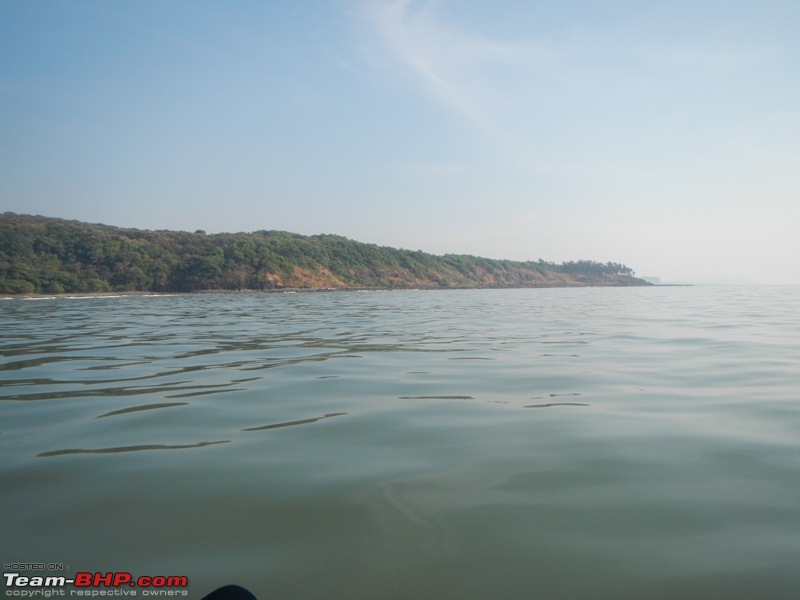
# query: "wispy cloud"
{"type": "Point", "coordinates": [479, 76]}
{"type": "Point", "coordinates": [601, 101]}
{"type": "Point", "coordinates": [444, 60]}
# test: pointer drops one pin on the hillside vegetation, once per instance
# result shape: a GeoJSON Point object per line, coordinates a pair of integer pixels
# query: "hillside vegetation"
{"type": "Point", "coordinates": [46, 255]}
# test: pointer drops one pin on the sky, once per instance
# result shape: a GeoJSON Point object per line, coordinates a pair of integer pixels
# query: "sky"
{"type": "Point", "coordinates": [664, 135]}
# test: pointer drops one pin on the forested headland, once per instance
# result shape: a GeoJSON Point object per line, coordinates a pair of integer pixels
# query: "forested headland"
{"type": "Point", "coordinates": [47, 255]}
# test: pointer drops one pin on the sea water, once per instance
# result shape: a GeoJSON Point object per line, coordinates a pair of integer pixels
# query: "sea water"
{"type": "Point", "coordinates": [603, 443]}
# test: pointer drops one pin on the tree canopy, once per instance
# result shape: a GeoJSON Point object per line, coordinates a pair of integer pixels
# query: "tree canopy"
{"type": "Point", "coordinates": [47, 255]}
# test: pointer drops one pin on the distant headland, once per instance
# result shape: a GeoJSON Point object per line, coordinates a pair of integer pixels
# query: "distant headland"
{"type": "Point", "coordinates": [43, 255]}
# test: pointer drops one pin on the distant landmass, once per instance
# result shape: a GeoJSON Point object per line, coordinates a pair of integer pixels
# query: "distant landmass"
{"type": "Point", "coordinates": [47, 255]}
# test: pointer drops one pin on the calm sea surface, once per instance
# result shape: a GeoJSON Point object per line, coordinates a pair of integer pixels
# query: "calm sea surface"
{"type": "Point", "coordinates": [595, 443]}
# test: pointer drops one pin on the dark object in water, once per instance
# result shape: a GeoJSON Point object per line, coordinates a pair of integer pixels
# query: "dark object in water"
{"type": "Point", "coordinates": [230, 592]}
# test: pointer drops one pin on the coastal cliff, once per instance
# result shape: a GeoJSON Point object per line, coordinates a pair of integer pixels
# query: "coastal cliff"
{"type": "Point", "coordinates": [47, 255]}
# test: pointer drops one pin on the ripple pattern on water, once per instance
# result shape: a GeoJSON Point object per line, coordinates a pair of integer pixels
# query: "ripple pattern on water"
{"type": "Point", "coordinates": [385, 441]}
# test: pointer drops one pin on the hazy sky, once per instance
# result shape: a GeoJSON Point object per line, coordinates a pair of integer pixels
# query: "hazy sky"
{"type": "Point", "coordinates": [664, 135]}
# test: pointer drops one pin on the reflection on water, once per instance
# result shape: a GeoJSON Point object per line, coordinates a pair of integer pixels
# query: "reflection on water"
{"type": "Point", "coordinates": [435, 398]}
{"type": "Point", "coordinates": [380, 445]}
{"type": "Point", "coordinates": [127, 449]}
{"type": "Point", "coordinates": [292, 423]}
{"type": "Point", "coordinates": [131, 409]}
{"type": "Point", "coordinates": [549, 404]}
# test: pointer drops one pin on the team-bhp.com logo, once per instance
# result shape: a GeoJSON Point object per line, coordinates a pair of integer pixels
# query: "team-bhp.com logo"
{"type": "Point", "coordinates": [94, 584]}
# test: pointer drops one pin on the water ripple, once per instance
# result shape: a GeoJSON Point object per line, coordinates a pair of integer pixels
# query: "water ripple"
{"type": "Point", "coordinates": [127, 449]}
{"type": "Point", "coordinates": [293, 423]}
{"type": "Point", "coordinates": [556, 404]}
{"type": "Point", "coordinates": [685, 466]}
{"type": "Point", "coordinates": [141, 407]}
